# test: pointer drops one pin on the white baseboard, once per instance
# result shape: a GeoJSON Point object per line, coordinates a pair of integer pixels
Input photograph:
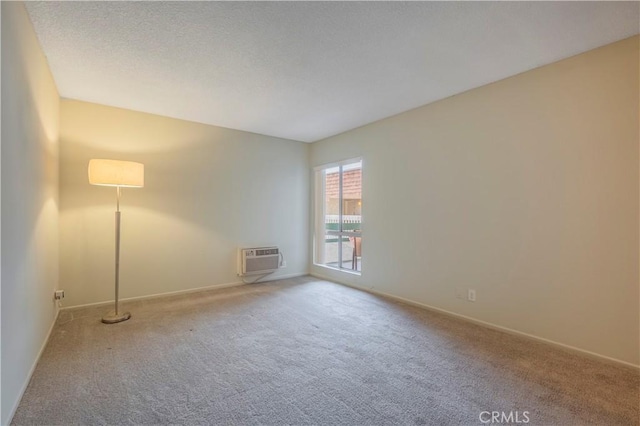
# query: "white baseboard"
{"type": "Point", "coordinates": [187, 291]}
{"type": "Point", "coordinates": [287, 276]}
{"type": "Point", "coordinates": [486, 324]}
{"type": "Point", "coordinates": [33, 368]}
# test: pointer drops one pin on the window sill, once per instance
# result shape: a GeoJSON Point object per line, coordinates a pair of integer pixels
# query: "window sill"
{"type": "Point", "coordinates": [346, 271]}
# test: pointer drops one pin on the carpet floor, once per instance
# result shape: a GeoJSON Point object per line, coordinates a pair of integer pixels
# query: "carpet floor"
{"type": "Point", "coordinates": [306, 351]}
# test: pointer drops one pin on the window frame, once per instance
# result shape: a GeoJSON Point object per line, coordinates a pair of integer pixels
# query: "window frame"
{"type": "Point", "coordinates": [320, 230]}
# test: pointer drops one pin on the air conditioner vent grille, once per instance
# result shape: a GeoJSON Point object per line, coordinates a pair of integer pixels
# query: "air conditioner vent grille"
{"type": "Point", "coordinates": [258, 260]}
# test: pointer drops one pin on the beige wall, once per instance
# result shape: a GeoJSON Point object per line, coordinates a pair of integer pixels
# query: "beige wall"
{"type": "Point", "coordinates": [525, 190]}
{"type": "Point", "coordinates": [208, 190]}
{"type": "Point", "coordinates": [29, 202]}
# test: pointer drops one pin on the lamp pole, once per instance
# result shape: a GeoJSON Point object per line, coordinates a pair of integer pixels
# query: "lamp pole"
{"type": "Point", "coordinates": [117, 246]}
{"type": "Point", "coordinates": [116, 316]}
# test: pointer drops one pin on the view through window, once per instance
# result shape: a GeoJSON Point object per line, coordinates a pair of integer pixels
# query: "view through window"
{"type": "Point", "coordinates": [339, 216]}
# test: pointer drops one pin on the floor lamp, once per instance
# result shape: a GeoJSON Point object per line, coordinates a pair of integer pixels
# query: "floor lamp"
{"type": "Point", "coordinates": [121, 174]}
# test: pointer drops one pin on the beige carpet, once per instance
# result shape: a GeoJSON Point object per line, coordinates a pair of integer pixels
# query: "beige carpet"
{"type": "Point", "coordinates": [305, 351]}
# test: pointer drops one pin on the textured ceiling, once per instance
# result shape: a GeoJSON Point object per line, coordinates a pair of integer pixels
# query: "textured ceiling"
{"type": "Point", "coordinates": [306, 70]}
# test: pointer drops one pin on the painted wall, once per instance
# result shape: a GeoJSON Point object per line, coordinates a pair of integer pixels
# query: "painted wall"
{"type": "Point", "coordinates": [208, 190]}
{"type": "Point", "coordinates": [30, 105]}
{"type": "Point", "coordinates": [525, 190]}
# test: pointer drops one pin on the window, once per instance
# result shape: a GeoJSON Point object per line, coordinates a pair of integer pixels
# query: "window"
{"type": "Point", "coordinates": [338, 233]}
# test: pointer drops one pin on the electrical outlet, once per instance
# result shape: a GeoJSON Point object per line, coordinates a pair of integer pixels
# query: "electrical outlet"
{"type": "Point", "coordinates": [58, 295]}
{"type": "Point", "coordinates": [284, 264]}
{"type": "Point", "coordinates": [471, 296]}
{"type": "Point", "coordinates": [459, 293]}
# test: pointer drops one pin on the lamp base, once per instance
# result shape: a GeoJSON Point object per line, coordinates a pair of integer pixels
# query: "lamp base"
{"type": "Point", "coordinates": [112, 318]}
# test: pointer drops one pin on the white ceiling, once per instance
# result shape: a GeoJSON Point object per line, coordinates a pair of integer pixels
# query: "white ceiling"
{"type": "Point", "coordinates": [306, 70]}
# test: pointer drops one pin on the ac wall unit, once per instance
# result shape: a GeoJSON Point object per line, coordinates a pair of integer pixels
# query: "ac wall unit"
{"type": "Point", "coordinates": [258, 260]}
